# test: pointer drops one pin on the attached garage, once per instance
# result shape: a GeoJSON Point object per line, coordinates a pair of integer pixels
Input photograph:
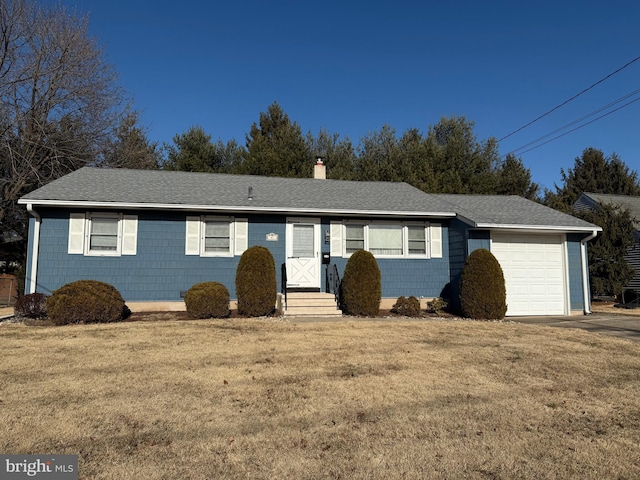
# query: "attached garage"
{"type": "Point", "coordinates": [534, 267]}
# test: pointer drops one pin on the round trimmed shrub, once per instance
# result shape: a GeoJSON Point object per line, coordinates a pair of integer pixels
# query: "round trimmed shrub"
{"type": "Point", "coordinates": [85, 301]}
{"type": "Point", "coordinates": [256, 285]}
{"type": "Point", "coordinates": [482, 288]}
{"type": "Point", "coordinates": [408, 307]}
{"type": "Point", "coordinates": [32, 305]}
{"type": "Point", "coordinates": [361, 288]}
{"type": "Point", "coordinates": [207, 300]}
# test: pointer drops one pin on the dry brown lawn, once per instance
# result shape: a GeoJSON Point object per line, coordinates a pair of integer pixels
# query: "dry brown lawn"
{"type": "Point", "coordinates": [348, 400]}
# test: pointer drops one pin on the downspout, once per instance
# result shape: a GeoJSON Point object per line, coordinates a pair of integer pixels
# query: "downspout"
{"type": "Point", "coordinates": [586, 295]}
{"type": "Point", "coordinates": [36, 245]}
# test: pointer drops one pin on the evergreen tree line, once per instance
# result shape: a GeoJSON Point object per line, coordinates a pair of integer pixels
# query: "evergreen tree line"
{"type": "Point", "coordinates": [447, 159]}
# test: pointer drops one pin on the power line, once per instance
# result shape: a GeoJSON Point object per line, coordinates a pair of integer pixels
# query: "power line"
{"type": "Point", "coordinates": [583, 125]}
{"type": "Point", "coordinates": [584, 117]}
{"type": "Point", "coordinates": [570, 99]}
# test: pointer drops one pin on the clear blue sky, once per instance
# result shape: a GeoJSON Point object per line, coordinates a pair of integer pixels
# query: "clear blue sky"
{"type": "Point", "coordinates": [351, 67]}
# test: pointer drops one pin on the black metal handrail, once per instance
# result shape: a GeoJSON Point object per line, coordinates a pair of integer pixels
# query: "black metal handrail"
{"type": "Point", "coordinates": [333, 280]}
{"type": "Point", "coordinates": [283, 282]}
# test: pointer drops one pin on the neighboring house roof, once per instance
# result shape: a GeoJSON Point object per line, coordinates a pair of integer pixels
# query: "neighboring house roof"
{"type": "Point", "coordinates": [159, 189]}
{"type": "Point", "coordinates": [512, 211]}
{"type": "Point", "coordinates": [94, 187]}
{"type": "Point", "coordinates": [628, 202]}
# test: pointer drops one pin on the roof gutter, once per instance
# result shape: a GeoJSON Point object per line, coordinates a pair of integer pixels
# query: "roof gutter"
{"type": "Point", "coordinates": [35, 247]}
{"type": "Point", "coordinates": [586, 295]}
{"type": "Point", "coordinates": [538, 228]}
{"type": "Point", "coordinates": [235, 208]}
{"type": "Point", "coordinates": [527, 228]}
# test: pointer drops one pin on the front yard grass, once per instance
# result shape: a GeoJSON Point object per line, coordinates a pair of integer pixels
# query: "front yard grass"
{"type": "Point", "coordinates": [353, 399]}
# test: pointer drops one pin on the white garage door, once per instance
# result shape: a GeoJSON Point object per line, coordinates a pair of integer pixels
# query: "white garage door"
{"type": "Point", "coordinates": [533, 267]}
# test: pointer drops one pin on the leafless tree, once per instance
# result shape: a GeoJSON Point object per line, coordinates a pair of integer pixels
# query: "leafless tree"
{"type": "Point", "coordinates": [59, 102]}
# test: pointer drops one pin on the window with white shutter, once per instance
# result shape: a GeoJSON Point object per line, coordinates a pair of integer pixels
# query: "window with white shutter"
{"type": "Point", "coordinates": [76, 233]}
{"type": "Point", "coordinates": [336, 239]}
{"type": "Point", "coordinates": [387, 239]}
{"type": "Point", "coordinates": [436, 240]}
{"type": "Point", "coordinates": [209, 236]}
{"type": "Point", "coordinates": [102, 234]}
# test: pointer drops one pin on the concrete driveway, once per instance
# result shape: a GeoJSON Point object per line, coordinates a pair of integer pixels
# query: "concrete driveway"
{"type": "Point", "coordinates": [618, 325]}
{"type": "Point", "coordinates": [624, 326]}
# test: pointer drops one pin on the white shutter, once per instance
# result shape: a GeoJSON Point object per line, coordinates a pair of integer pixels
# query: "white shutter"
{"type": "Point", "coordinates": [435, 231]}
{"type": "Point", "coordinates": [336, 239]}
{"type": "Point", "coordinates": [129, 234]}
{"type": "Point", "coordinates": [241, 235]}
{"type": "Point", "coordinates": [76, 233]}
{"type": "Point", "coordinates": [192, 240]}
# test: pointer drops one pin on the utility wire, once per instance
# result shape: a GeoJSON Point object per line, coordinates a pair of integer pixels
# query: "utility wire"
{"type": "Point", "coordinates": [583, 125]}
{"type": "Point", "coordinates": [584, 117]}
{"type": "Point", "coordinates": [570, 99]}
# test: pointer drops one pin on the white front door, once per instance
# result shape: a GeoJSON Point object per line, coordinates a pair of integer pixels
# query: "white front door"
{"type": "Point", "coordinates": [303, 252]}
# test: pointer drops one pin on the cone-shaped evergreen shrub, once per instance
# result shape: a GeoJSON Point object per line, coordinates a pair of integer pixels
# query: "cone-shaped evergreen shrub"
{"type": "Point", "coordinates": [85, 301]}
{"type": "Point", "coordinates": [361, 289]}
{"type": "Point", "coordinates": [482, 288]}
{"type": "Point", "coordinates": [256, 285]}
{"type": "Point", "coordinates": [207, 300]}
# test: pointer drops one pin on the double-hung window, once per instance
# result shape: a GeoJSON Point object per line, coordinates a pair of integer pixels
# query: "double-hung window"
{"type": "Point", "coordinates": [209, 236]}
{"type": "Point", "coordinates": [102, 234]}
{"type": "Point", "coordinates": [217, 237]}
{"type": "Point", "coordinates": [354, 238]}
{"type": "Point", "coordinates": [417, 240]}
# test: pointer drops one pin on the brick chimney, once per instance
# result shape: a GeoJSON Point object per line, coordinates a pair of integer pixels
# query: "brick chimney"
{"type": "Point", "coordinates": [319, 170]}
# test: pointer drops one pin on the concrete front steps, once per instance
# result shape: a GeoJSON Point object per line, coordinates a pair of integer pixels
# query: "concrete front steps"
{"type": "Point", "coordinates": [311, 304]}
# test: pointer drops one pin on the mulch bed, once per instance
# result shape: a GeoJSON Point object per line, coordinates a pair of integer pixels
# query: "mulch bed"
{"type": "Point", "coordinates": [178, 316]}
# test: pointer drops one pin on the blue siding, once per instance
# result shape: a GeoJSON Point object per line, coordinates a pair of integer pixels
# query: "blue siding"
{"type": "Point", "coordinates": [463, 240]}
{"type": "Point", "coordinates": [457, 256]}
{"type": "Point", "coordinates": [160, 270]}
{"type": "Point", "coordinates": [479, 239]}
{"type": "Point", "coordinates": [420, 277]}
{"type": "Point", "coordinates": [576, 297]}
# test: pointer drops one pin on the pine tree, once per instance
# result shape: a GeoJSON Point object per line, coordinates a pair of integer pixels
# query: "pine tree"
{"type": "Point", "coordinates": [593, 173]}
{"type": "Point", "coordinates": [276, 147]}
{"type": "Point", "coordinates": [609, 272]}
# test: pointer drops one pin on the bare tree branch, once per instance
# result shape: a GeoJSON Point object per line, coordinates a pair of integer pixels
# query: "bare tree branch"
{"type": "Point", "coordinates": [59, 102]}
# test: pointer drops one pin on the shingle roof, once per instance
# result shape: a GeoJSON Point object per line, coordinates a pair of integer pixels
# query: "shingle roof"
{"type": "Point", "coordinates": [93, 187]}
{"type": "Point", "coordinates": [505, 211]}
{"type": "Point", "coordinates": [627, 202]}
{"type": "Point", "coordinates": [217, 191]}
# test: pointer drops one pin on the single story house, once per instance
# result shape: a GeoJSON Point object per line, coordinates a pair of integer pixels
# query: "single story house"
{"type": "Point", "coordinates": [154, 234]}
{"type": "Point", "coordinates": [591, 201]}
